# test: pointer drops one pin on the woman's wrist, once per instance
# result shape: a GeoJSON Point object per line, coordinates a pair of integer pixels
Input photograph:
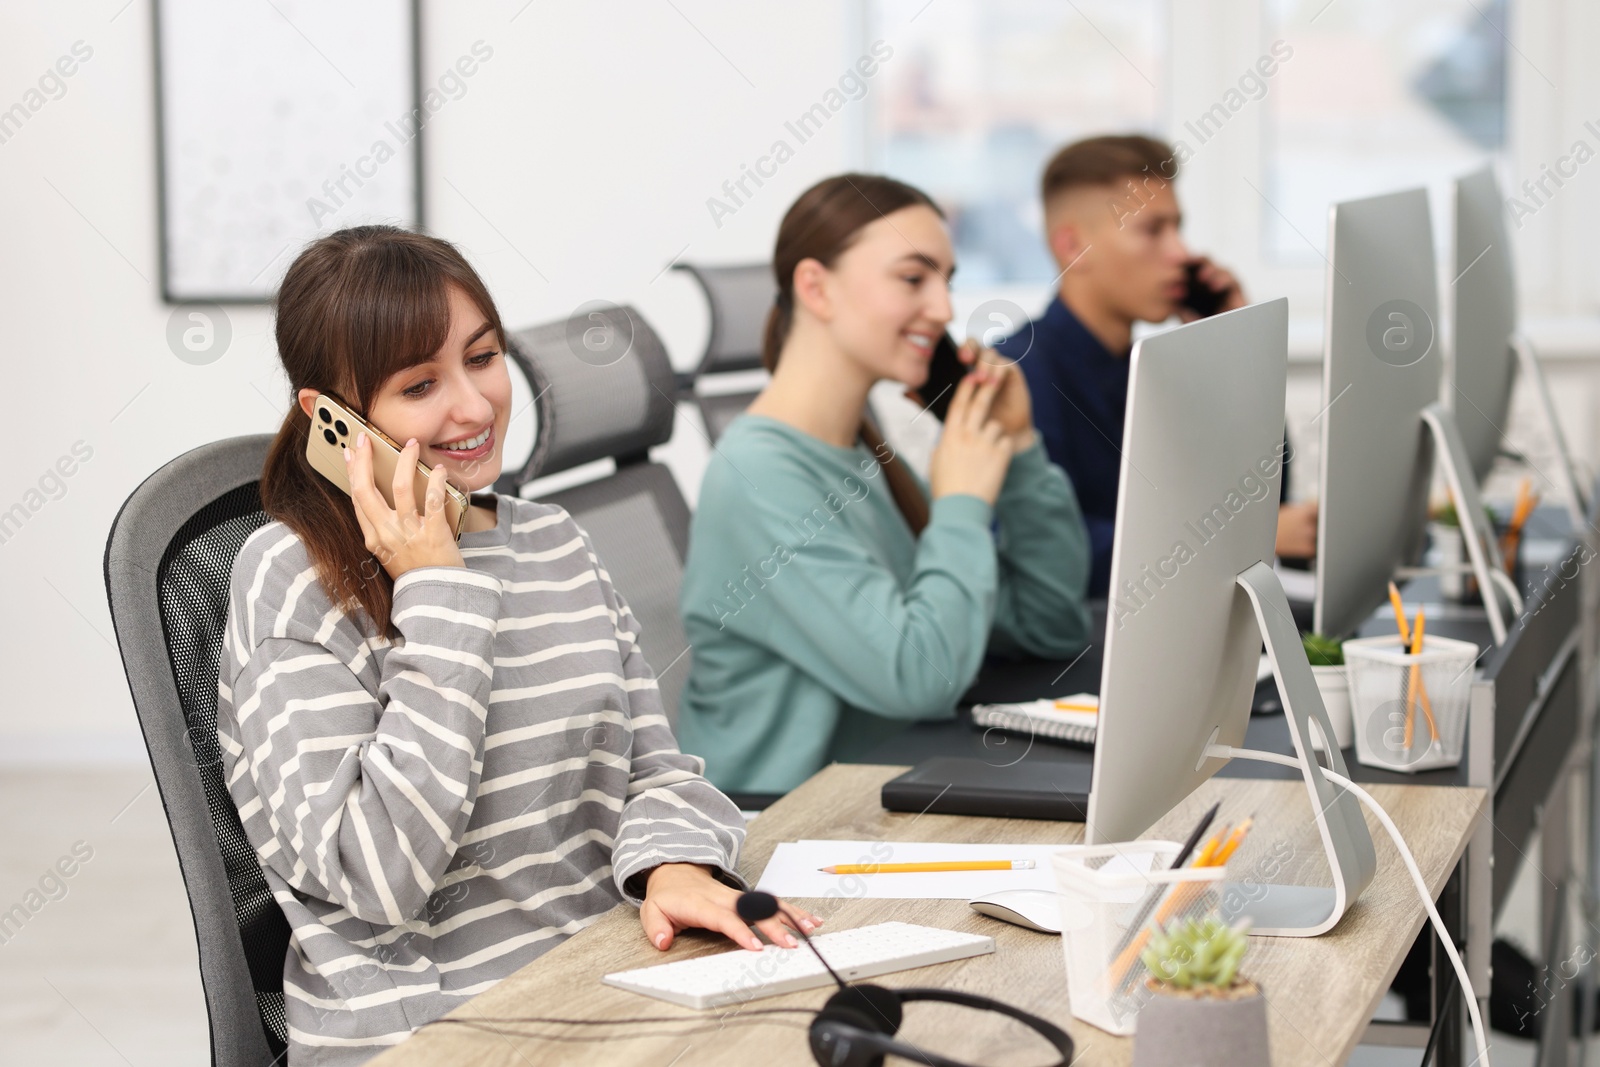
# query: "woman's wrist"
{"type": "Point", "coordinates": [674, 868]}
{"type": "Point", "coordinates": [963, 507]}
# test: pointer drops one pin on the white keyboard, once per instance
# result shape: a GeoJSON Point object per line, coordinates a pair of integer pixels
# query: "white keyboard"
{"type": "Point", "coordinates": [741, 975]}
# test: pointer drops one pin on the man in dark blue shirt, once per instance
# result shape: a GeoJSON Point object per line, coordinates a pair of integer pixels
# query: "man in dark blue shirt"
{"type": "Point", "coordinates": [1112, 220]}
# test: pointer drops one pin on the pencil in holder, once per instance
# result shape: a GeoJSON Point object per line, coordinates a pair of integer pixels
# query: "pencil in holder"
{"type": "Point", "coordinates": [1410, 711]}
{"type": "Point", "coordinates": [1112, 898]}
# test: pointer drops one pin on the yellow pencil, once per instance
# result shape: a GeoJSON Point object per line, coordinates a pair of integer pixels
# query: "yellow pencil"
{"type": "Point", "coordinates": [1418, 686]}
{"type": "Point", "coordinates": [1400, 615]}
{"type": "Point", "coordinates": [1211, 847]}
{"type": "Point", "coordinates": [1526, 502]}
{"type": "Point", "coordinates": [923, 868]}
{"type": "Point", "coordinates": [1234, 840]}
{"type": "Point", "coordinates": [1422, 688]}
{"type": "Point", "coordinates": [1415, 680]}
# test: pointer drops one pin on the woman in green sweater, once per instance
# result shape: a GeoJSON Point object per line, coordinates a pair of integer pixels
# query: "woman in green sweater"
{"type": "Point", "coordinates": [829, 605]}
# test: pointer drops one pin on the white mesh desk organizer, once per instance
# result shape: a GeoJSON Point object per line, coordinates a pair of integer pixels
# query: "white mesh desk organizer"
{"type": "Point", "coordinates": [1432, 688]}
{"type": "Point", "coordinates": [1111, 897]}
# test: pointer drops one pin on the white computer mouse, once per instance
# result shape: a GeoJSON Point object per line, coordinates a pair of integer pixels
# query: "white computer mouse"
{"type": "Point", "coordinates": [1037, 909]}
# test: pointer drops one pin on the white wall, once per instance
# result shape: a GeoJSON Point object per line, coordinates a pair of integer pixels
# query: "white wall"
{"type": "Point", "coordinates": [584, 150]}
{"type": "Point", "coordinates": [576, 166]}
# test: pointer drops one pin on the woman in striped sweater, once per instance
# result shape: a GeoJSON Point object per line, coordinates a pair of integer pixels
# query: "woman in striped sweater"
{"type": "Point", "coordinates": [449, 756]}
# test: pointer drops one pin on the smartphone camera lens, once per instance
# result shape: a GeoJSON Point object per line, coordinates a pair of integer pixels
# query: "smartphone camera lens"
{"type": "Point", "coordinates": [332, 440]}
{"type": "Point", "coordinates": [327, 416]}
{"type": "Point", "coordinates": [344, 431]}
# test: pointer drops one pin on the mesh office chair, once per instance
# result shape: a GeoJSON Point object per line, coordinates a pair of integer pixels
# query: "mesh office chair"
{"type": "Point", "coordinates": [739, 298]}
{"type": "Point", "coordinates": [168, 560]}
{"type": "Point", "coordinates": [167, 566]}
{"type": "Point", "coordinates": [604, 389]}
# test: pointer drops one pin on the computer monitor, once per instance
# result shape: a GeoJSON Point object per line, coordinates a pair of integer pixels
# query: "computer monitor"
{"type": "Point", "coordinates": [1193, 595]}
{"type": "Point", "coordinates": [1488, 350]}
{"type": "Point", "coordinates": [1483, 318]}
{"type": "Point", "coordinates": [1382, 423]}
{"type": "Point", "coordinates": [1381, 369]}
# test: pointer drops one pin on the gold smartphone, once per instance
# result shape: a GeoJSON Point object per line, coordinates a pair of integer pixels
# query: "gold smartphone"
{"type": "Point", "coordinates": [334, 427]}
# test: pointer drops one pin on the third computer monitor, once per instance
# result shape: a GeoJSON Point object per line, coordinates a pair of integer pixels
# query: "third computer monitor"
{"type": "Point", "coordinates": [1382, 367]}
{"type": "Point", "coordinates": [1484, 317]}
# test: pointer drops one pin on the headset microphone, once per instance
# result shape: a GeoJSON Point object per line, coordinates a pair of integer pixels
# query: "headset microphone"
{"type": "Point", "coordinates": [856, 1027]}
{"type": "Point", "coordinates": [756, 906]}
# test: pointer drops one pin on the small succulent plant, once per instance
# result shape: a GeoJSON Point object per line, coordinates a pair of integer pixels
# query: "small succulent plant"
{"type": "Point", "coordinates": [1196, 954]}
{"type": "Point", "coordinates": [1323, 651]}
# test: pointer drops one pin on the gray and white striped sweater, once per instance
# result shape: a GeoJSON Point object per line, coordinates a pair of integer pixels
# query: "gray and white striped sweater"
{"type": "Point", "coordinates": [434, 813]}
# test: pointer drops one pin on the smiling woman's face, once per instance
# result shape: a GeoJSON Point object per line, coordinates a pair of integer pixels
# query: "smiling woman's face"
{"type": "Point", "coordinates": [461, 396]}
{"type": "Point", "coordinates": [887, 298]}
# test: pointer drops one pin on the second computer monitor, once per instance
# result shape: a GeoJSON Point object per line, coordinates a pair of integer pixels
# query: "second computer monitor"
{"type": "Point", "coordinates": [1382, 367]}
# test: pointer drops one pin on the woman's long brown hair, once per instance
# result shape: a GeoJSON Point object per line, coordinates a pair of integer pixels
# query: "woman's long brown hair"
{"type": "Point", "coordinates": [356, 307]}
{"type": "Point", "coordinates": [821, 225]}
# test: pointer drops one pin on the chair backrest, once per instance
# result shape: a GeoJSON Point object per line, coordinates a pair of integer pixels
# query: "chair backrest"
{"type": "Point", "coordinates": [167, 567]}
{"type": "Point", "coordinates": [604, 389]}
{"type": "Point", "coordinates": [740, 296]}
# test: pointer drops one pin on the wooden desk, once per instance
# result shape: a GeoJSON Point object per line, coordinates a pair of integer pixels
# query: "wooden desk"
{"type": "Point", "coordinates": [1320, 991]}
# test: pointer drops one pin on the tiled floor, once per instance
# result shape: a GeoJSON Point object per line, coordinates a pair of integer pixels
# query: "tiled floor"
{"type": "Point", "coordinates": [105, 975]}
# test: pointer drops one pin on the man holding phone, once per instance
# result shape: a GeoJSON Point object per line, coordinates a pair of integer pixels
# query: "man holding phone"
{"type": "Point", "coordinates": [1112, 221]}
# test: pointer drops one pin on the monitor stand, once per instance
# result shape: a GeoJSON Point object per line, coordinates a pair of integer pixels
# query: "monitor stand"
{"type": "Point", "coordinates": [1295, 910]}
{"type": "Point", "coordinates": [1566, 473]}
{"type": "Point", "coordinates": [1494, 585]}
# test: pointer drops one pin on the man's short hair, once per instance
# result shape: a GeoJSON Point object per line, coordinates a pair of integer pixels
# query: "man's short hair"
{"type": "Point", "coordinates": [1106, 161]}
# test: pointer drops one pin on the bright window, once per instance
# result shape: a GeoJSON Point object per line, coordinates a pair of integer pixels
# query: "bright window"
{"type": "Point", "coordinates": [1378, 96]}
{"type": "Point", "coordinates": [982, 92]}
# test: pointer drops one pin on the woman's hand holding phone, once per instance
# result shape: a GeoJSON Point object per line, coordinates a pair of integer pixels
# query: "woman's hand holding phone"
{"type": "Point", "coordinates": [1013, 406]}
{"type": "Point", "coordinates": [400, 537]}
{"type": "Point", "coordinates": [975, 450]}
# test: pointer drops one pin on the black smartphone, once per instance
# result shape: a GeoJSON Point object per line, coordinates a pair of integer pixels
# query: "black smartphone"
{"type": "Point", "coordinates": [1199, 297]}
{"type": "Point", "coordinates": [945, 371]}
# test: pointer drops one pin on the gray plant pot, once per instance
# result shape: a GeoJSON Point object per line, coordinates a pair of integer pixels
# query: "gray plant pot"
{"type": "Point", "coordinates": [1182, 1031]}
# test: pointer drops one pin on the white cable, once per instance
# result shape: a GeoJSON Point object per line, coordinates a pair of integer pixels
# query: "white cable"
{"type": "Point", "coordinates": [1508, 587]}
{"type": "Point", "coordinates": [1226, 751]}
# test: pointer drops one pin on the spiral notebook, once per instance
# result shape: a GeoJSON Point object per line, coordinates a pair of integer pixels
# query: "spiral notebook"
{"type": "Point", "coordinates": [1070, 720]}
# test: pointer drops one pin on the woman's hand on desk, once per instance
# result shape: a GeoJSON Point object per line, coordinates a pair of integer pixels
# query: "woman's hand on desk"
{"type": "Point", "coordinates": [679, 896]}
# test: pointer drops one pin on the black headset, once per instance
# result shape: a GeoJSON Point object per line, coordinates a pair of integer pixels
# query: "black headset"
{"type": "Point", "coordinates": [857, 1026]}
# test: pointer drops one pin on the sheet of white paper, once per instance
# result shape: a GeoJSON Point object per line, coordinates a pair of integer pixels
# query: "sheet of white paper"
{"type": "Point", "coordinates": [792, 870]}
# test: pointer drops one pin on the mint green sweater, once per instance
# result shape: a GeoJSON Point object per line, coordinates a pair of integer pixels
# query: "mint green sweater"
{"type": "Point", "coordinates": [821, 627]}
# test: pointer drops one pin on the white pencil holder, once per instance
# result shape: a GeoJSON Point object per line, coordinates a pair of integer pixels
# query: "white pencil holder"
{"type": "Point", "coordinates": [1107, 909]}
{"type": "Point", "coordinates": [1388, 686]}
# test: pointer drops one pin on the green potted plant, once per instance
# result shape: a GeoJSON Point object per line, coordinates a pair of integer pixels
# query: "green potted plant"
{"type": "Point", "coordinates": [1326, 656]}
{"type": "Point", "coordinates": [1201, 1013]}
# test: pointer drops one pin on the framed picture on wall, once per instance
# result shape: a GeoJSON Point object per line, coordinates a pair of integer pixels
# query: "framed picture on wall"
{"type": "Point", "coordinates": [276, 122]}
